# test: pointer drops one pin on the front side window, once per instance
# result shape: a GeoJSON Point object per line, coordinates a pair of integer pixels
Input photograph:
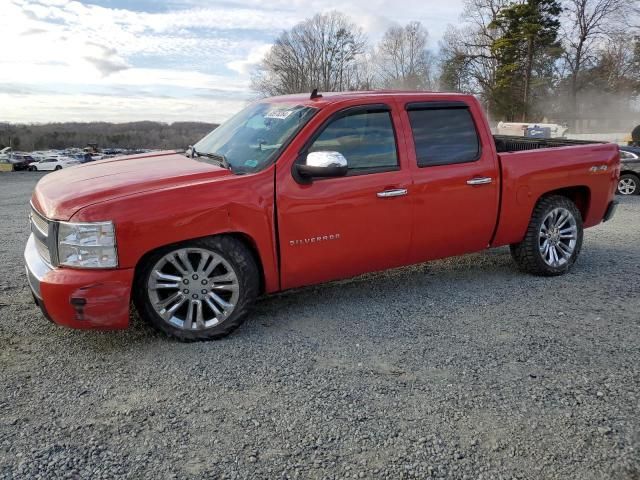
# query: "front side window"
{"type": "Point", "coordinates": [250, 140]}
{"type": "Point", "coordinates": [444, 136]}
{"type": "Point", "coordinates": [366, 139]}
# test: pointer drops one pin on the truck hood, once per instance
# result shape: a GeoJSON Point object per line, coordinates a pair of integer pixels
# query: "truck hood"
{"type": "Point", "coordinates": [59, 195]}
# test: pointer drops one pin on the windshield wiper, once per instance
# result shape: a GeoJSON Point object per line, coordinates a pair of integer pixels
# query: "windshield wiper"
{"type": "Point", "coordinates": [218, 157]}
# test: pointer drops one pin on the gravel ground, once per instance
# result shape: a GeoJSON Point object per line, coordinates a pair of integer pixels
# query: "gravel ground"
{"type": "Point", "coordinates": [463, 368]}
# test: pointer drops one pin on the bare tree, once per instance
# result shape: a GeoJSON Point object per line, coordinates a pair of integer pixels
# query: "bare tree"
{"type": "Point", "coordinates": [466, 61]}
{"type": "Point", "coordinates": [617, 67]}
{"type": "Point", "coordinates": [322, 52]}
{"type": "Point", "coordinates": [454, 64]}
{"type": "Point", "coordinates": [404, 59]}
{"type": "Point", "coordinates": [609, 87]}
{"type": "Point", "coordinates": [587, 23]}
{"type": "Point", "coordinates": [364, 73]}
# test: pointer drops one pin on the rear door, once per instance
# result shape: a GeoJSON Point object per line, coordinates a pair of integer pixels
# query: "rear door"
{"type": "Point", "coordinates": [340, 227]}
{"type": "Point", "coordinates": [456, 182]}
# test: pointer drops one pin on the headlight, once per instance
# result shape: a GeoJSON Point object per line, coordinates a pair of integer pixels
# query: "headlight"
{"type": "Point", "coordinates": [87, 245]}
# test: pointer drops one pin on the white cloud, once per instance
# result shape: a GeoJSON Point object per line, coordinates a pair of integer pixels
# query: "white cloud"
{"type": "Point", "coordinates": [72, 59]}
{"type": "Point", "coordinates": [254, 57]}
{"type": "Point", "coordinates": [82, 108]}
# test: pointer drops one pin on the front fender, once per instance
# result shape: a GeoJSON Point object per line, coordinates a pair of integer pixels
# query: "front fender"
{"type": "Point", "coordinates": [150, 220]}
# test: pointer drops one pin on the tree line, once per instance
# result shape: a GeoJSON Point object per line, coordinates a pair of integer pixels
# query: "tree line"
{"type": "Point", "coordinates": [571, 61]}
{"type": "Point", "coordinates": [331, 53]}
{"type": "Point", "coordinates": [154, 135]}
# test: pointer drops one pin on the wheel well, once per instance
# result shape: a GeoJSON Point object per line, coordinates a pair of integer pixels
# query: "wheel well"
{"type": "Point", "coordinates": [242, 237]}
{"type": "Point", "coordinates": [581, 196]}
{"type": "Point", "coordinates": [250, 244]}
{"type": "Point", "coordinates": [630, 172]}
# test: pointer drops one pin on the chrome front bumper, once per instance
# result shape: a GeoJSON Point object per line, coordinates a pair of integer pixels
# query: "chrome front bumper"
{"type": "Point", "coordinates": [35, 266]}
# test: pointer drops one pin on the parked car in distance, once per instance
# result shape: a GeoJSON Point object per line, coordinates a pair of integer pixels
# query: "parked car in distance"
{"type": "Point", "coordinates": [4, 153]}
{"type": "Point", "coordinates": [40, 155]}
{"type": "Point", "coordinates": [629, 183]}
{"type": "Point", "coordinates": [20, 161]}
{"type": "Point", "coordinates": [82, 157]}
{"type": "Point", "coordinates": [53, 163]}
{"type": "Point", "coordinates": [113, 151]}
{"type": "Point", "coordinates": [299, 190]}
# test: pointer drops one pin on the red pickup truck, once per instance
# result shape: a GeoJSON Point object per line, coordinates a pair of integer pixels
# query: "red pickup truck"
{"type": "Point", "coordinates": [298, 190]}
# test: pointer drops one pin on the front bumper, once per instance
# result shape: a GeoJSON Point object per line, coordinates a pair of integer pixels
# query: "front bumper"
{"type": "Point", "coordinates": [77, 298]}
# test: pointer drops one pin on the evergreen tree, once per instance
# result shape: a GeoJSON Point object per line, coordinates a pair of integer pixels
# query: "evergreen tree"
{"type": "Point", "coordinates": [525, 52]}
{"type": "Point", "coordinates": [453, 73]}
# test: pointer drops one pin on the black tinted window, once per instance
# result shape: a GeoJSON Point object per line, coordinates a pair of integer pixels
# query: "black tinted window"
{"type": "Point", "coordinates": [365, 139]}
{"type": "Point", "coordinates": [444, 136]}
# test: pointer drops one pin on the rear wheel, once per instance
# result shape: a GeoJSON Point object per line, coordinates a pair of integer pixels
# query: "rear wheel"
{"type": "Point", "coordinates": [629, 184]}
{"type": "Point", "coordinates": [553, 239]}
{"type": "Point", "coordinates": [58, 167]}
{"type": "Point", "coordinates": [198, 290]}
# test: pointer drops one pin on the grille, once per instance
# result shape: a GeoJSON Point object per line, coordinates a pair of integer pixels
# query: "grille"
{"type": "Point", "coordinates": [43, 250]}
{"type": "Point", "coordinates": [40, 223]}
{"type": "Point", "coordinates": [40, 229]}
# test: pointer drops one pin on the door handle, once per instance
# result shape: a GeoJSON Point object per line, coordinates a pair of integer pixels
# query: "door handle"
{"type": "Point", "coordinates": [479, 181]}
{"type": "Point", "coordinates": [397, 192]}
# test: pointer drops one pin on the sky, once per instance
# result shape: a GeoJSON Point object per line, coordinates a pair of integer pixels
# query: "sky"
{"type": "Point", "coordinates": [173, 60]}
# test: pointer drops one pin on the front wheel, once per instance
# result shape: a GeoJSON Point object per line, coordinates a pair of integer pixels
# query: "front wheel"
{"type": "Point", "coordinates": [58, 167]}
{"type": "Point", "coordinates": [553, 239]}
{"type": "Point", "coordinates": [197, 290]}
{"type": "Point", "coordinates": [628, 184]}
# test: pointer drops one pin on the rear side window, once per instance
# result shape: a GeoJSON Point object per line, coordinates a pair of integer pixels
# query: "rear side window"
{"type": "Point", "coordinates": [444, 136]}
{"type": "Point", "coordinates": [365, 139]}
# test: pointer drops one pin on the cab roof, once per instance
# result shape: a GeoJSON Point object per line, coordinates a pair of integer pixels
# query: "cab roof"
{"type": "Point", "coordinates": [329, 98]}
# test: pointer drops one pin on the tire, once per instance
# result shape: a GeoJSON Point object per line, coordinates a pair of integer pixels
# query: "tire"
{"type": "Point", "coordinates": [629, 184]}
{"type": "Point", "coordinates": [236, 286]}
{"type": "Point", "coordinates": [532, 256]}
{"type": "Point", "coordinates": [58, 167]}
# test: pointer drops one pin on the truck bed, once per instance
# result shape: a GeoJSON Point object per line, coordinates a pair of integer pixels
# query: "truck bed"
{"type": "Point", "coordinates": [508, 143]}
{"type": "Point", "coordinates": [531, 172]}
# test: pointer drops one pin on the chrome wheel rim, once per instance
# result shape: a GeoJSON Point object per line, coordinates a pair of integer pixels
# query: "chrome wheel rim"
{"type": "Point", "coordinates": [558, 237]}
{"type": "Point", "coordinates": [193, 288]}
{"type": "Point", "coordinates": [627, 186]}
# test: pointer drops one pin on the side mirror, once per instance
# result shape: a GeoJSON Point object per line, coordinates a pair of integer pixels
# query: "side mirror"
{"type": "Point", "coordinates": [323, 165]}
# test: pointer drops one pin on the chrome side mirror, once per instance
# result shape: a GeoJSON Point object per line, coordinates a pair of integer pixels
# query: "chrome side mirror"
{"type": "Point", "coordinates": [323, 165]}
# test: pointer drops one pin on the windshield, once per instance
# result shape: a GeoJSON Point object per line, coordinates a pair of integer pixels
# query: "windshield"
{"type": "Point", "coordinates": [250, 140]}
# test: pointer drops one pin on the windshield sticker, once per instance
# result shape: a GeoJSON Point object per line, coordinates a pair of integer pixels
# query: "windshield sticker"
{"type": "Point", "coordinates": [279, 114]}
{"type": "Point", "coordinates": [251, 163]}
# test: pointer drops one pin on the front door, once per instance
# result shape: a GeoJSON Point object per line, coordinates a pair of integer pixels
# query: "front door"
{"type": "Point", "coordinates": [340, 227]}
